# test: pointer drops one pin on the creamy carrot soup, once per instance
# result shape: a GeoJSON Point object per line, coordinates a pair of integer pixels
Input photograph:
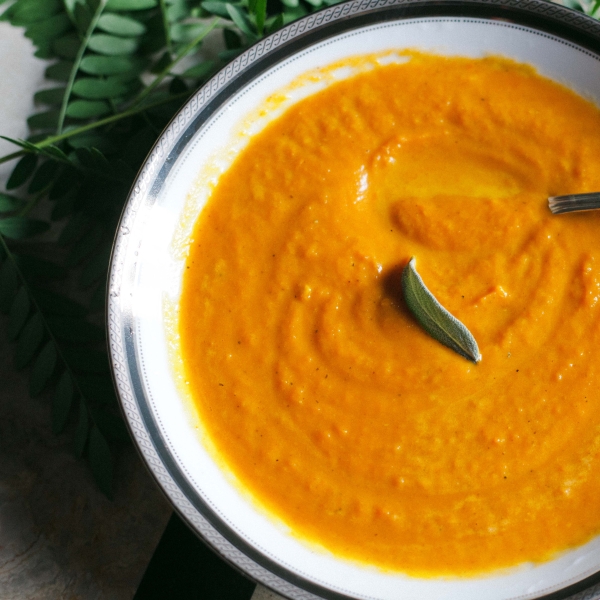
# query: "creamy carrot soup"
{"type": "Point", "coordinates": [319, 390]}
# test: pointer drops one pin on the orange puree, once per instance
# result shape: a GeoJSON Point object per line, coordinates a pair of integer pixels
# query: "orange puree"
{"type": "Point", "coordinates": [322, 394]}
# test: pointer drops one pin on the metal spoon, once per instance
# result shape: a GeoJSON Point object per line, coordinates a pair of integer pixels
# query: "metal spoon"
{"type": "Point", "coordinates": [574, 202]}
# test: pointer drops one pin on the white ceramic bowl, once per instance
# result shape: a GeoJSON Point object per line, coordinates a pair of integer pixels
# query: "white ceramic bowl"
{"type": "Point", "coordinates": [147, 267]}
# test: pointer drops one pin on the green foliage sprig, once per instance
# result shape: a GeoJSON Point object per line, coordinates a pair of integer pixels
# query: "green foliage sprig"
{"type": "Point", "coordinates": [118, 75]}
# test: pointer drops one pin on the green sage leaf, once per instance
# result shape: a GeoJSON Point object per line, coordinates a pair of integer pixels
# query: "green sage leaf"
{"type": "Point", "coordinates": [66, 182]}
{"type": "Point", "coordinates": [52, 96]}
{"type": "Point", "coordinates": [162, 63]}
{"type": "Point", "coordinates": [434, 318]}
{"type": "Point", "coordinates": [49, 28]}
{"type": "Point", "coordinates": [44, 49]}
{"type": "Point", "coordinates": [240, 19]}
{"type": "Point", "coordinates": [44, 120]}
{"type": "Point", "coordinates": [67, 46]}
{"type": "Point", "coordinates": [91, 88]}
{"type": "Point", "coordinates": [19, 4]}
{"type": "Point", "coordinates": [53, 151]}
{"type": "Point", "coordinates": [70, 5]}
{"type": "Point", "coordinates": [91, 158]}
{"type": "Point", "coordinates": [232, 40]}
{"type": "Point", "coordinates": [291, 14]}
{"type": "Point", "coordinates": [111, 65]}
{"type": "Point", "coordinates": [91, 138]}
{"type": "Point", "coordinates": [18, 228]}
{"type": "Point", "coordinates": [62, 402]}
{"type": "Point", "coordinates": [177, 86]}
{"type": "Point", "coordinates": [22, 172]}
{"type": "Point", "coordinates": [120, 25]}
{"type": "Point", "coordinates": [228, 55]}
{"type": "Point", "coordinates": [9, 12]}
{"type": "Point", "coordinates": [83, 17]}
{"type": "Point", "coordinates": [216, 8]}
{"type": "Point", "coordinates": [87, 109]}
{"type": "Point", "coordinates": [112, 45]}
{"type": "Point", "coordinates": [178, 10]}
{"type": "Point", "coordinates": [101, 461]}
{"type": "Point", "coordinates": [9, 203]}
{"type": "Point", "coordinates": [574, 4]}
{"type": "Point", "coordinates": [30, 13]}
{"type": "Point", "coordinates": [186, 32]}
{"type": "Point", "coordinates": [29, 341]}
{"type": "Point", "coordinates": [59, 71]}
{"type": "Point", "coordinates": [260, 14]}
{"type": "Point", "coordinates": [43, 369]}
{"type": "Point", "coordinates": [273, 24]}
{"type": "Point", "coordinates": [43, 177]}
{"type": "Point", "coordinates": [118, 5]}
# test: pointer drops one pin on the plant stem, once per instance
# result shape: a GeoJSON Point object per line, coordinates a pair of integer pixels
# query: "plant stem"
{"type": "Point", "coordinates": [113, 118]}
{"type": "Point", "coordinates": [183, 52]}
{"type": "Point", "coordinates": [165, 19]}
{"type": "Point", "coordinates": [133, 109]}
{"type": "Point", "coordinates": [12, 156]}
{"type": "Point", "coordinates": [75, 69]}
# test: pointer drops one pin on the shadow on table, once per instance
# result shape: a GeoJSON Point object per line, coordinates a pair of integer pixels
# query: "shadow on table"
{"type": "Point", "coordinates": [183, 567]}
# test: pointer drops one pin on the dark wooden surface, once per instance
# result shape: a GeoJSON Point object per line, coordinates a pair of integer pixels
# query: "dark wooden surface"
{"type": "Point", "coordinates": [184, 567]}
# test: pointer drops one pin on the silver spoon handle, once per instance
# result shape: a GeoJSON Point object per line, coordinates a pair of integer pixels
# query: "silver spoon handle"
{"type": "Point", "coordinates": [574, 202]}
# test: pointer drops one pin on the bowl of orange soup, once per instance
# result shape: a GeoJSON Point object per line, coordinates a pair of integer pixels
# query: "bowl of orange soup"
{"type": "Point", "coordinates": [278, 388]}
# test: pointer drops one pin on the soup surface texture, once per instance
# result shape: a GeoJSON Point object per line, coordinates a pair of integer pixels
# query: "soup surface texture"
{"type": "Point", "coordinates": [316, 386]}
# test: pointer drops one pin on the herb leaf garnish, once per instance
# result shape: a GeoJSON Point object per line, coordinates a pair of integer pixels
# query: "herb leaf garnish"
{"type": "Point", "coordinates": [434, 318]}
